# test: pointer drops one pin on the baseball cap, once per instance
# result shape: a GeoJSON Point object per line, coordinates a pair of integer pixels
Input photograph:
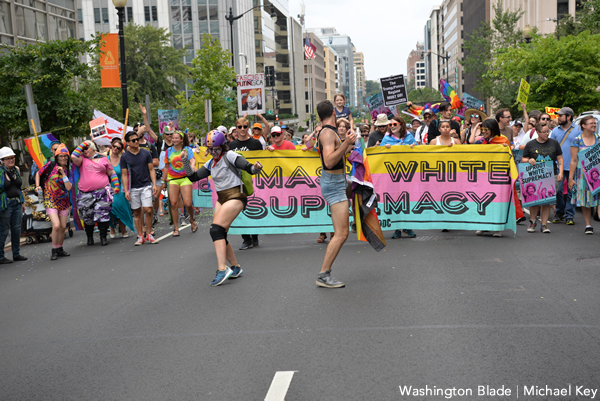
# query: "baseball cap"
{"type": "Point", "coordinates": [277, 129]}
{"type": "Point", "coordinates": [516, 122]}
{"type": "Point", "coordinates": [257, 125]}
{"type": "Point", "coordinates": [222, 129]}
{"type": "Point", "coordinates": [427, 111]}
{"type": "Point", "coordinates": [565, 111]}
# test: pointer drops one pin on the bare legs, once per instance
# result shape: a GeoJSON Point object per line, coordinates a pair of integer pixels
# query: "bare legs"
{"type": "Point", "coordinates": [225, 214]}
{"type": "Point", "coordinates": [340, 216]}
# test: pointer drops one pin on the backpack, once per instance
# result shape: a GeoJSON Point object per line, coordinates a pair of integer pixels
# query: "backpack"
{"type": "Point", "coordinates": [246, 177]}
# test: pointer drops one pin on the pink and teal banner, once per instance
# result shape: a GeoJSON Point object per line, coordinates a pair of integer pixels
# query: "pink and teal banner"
{"type": "Point", "coordinates": [428, 187]}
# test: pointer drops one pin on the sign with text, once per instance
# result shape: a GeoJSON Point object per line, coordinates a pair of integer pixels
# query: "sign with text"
{"type": "Point", "coordinates": [251, 94]}
{"type": "Point", "coordinates": [462, 188]}
{"type": "Point", "coordinates": [393, 90]}
{"type": "Point", "coordinates": [551, 111]}
{"type": "Point", "coordinates": [590, 163]}
{"type": "Point", "coordinates": [523, 92]}
{"type": "Point", "coordinates": [109, 61]}
{"type": "Point", "coordinates": [470, 102]}
{"type": "Point", "coordinates": [168, 116]}
{"type": "Point", "coordinates": [537, 183]}
{"type": "Point", "coordinates": [377, 106]}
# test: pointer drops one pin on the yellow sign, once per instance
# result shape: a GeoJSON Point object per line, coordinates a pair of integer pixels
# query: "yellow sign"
{"type": "Point", "coordinates": [523, 92]}
{"type": "Point", "coordinates": [552, 112]}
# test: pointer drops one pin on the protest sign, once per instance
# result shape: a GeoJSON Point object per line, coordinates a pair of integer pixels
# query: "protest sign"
{"type": "Point", "coordinates": [377, 106]}
{"type": "Point", "coordinates": [590, 163]}
{"type": "Point", "coordinates": [98, 128]}
{"type": "Point", "coordinates": [114, 129]}
{"type": "Point", "coordinates": [168, 116]}
{"type": "Point", "coordinates": [251, 94]}
{"type": "Point", "coordinates": [537, 183]}
{"type": "Point", "coordinates": [458, 188]}
{"type": "Point", "coordinates": [393, 90]}
{"type": "Point", "coordinates": [523, 92]}
{"type": "Point", "coordinates": [470, 102]}
{"type": "Point", "coordinates": [551, 111]}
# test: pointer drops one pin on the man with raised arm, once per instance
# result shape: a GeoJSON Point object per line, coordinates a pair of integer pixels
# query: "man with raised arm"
{"type": "Point", "coordinates": [333, 187]}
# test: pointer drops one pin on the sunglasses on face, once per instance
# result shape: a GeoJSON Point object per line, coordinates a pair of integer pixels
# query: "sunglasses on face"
{"type": "Point", "coordinates": [474, 115]}
{"type": "Point", "coordinates": [394, 124]}
{"type": "Point", "coordinates": [544, 119]}
{"type": "Point", "coordinates": [244, 127]}
{"type": "Point", "coordinates": [275, 135]}
{"type": "Point", "coordinates": [117, 147]}
{"type": "Point", "coordinates": [168, 134]}
{"type": "Point", "coordinates": [213, 150]}
{"type": "Point", "coordinates": [483, 129]}
{"type": "Point", "coordinates": [134, 140]}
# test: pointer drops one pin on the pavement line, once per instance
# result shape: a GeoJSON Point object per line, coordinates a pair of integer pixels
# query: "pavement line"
{"type": "Point", "coordinates": [279, 386]}
{"type": "Point", "coordinates": [171, 233]}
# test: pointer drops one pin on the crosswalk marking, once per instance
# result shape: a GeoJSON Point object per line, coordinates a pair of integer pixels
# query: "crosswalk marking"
{"type": "Point", "coordinates": [279, 386]}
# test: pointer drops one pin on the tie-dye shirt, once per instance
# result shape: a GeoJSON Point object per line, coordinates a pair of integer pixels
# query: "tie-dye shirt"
{"type": "Point", "coordinates": [56, 195]}
{"type": "Point", "coordinates": [174, 163]}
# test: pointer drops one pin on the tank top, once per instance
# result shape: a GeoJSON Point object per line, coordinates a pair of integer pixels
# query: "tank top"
{"type": "Point", "coordinates": [438, 141]}
{"type": "Point", "coordinates": [340, 164]}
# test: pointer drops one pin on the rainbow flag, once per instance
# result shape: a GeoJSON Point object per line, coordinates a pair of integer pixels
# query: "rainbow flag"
{"type": "Point", "coordinates": [40, 148]}
{"type": "Point", "coordinates": [417, 111]}
{"type": "Point", "coordinates": [365, 199]}
{"type": "Point", "coordinates": [450, 95]}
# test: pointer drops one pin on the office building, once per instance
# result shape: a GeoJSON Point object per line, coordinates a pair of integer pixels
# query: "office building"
{"type": "Point", "coordinates": [431, 61]}
{"type": "Point", "coordinates": [331, 72]}
{"type": "Point", "coordinates": [415, 66]}
{"type": "Point", "coordinates": [361, 77]}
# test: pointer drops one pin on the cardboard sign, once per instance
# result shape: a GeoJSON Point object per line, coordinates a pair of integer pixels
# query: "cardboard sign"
{"type": "Point", "coordinates": [393, 90]}
{"type": "Point", "coordinates": [523, 92]}
{"type": "Point", "coordinates": [537, 183]}
{"type": "Point", "coordinates": [551, 111]}
{"type": "Point", "coordinates": [168, 116]}
{"type": "Point", "coordinates": [377, 106]}
{"type": "Point", "coordinates": [251, 94]}
{"type": "Point", "coordinates": [98, 128]}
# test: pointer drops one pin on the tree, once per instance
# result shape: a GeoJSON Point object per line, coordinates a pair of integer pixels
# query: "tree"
{"type": "Point", "coordinates": [425, 95]}
{"type": "Point", "coordinates": [212, 78]}
{"type": "Point", "coordinates": [373, 88]}
{"type": "Point", "coordinates": [488, 43]}
{"type": "Point", "coordinates": [54, 69]}
{"type": "Point", "coordinates": [588, 19]}
{"type": "Point", "coordinates": [410, 85]}
{"type": "Point", "coordinates": [556, 80]}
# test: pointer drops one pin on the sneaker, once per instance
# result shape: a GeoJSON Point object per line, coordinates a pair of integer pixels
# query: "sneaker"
{"type": "Point", "coordinates": [532, 225]}
{"type": "Point", "coordinates": [589, 230]}
{"type": "Point", "coordinates": [325, 280]}
{"type": "Point", "coordinates": [570, 222]}
{"type": "Point", "coordinates": [545, 229]}
{"type": "Point", "coordinates": [480, 232]}
{"type": "Point", "coordinates": [221, 276]}
{"type": "Point", "coordinates": [497, 234]}
{"type": "Point", "coordinates": [5, 261]}
{"type": "Point", "coordinates": [19, 258]}
{"type": "Point", "coordinates": [397, 234]}
{"type": "Point", "coordinates": [520, 220]}
{"type": "Point", "coordinates": [409, 233]}
{"type": "Point", "coordinates": [558, 218]}
{"type": "Point", "coordinates": [140, 240]}
{"type": "Point", "coordinates": [151, 239]}
{"type": "Point", "coordinates": [236, 271]}
{"type": "Point", "coordinates": [246, 245]}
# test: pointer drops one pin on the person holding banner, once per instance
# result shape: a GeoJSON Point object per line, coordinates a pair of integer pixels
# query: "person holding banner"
{"type": "Point", "coordinates": [539, 149]}
{"type": "Point", "coordinates": [54, 176]}
{"type": "Point", "coordinates": [578, 179]}
{"type": "Point", "coordinates": [333, 187]}
{"type": "Point", "coordinates": [381, 127]}
{"type": "Point", "coordinates": [95, 196]}
{"type": "Point", "coordinates": [231, 200]}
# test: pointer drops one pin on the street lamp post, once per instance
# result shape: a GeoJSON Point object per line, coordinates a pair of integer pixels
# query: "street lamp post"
{"type": "Point", "coordinates": [229, 17]}
{"type": "Point", "coordinates": [446, 58]}
{"type": "Point", "coordinates": [527, 31]}
{"type": "Point", "coordinates": [120, 6]}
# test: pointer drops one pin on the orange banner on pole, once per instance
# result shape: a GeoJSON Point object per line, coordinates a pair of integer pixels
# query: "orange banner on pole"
{"type": "Point", "coordinates": [109, 61]}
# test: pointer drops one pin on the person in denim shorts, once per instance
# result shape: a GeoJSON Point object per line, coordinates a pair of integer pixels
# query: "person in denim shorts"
{"type": "Point", "coordinates": [333, 187]}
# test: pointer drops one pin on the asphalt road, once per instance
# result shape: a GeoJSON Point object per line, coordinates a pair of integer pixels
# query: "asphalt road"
{"type": "Point", "coordinates": [445, 310]}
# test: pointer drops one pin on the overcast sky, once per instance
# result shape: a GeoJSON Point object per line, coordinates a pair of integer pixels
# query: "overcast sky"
{"type": "Point", "coordinates": [384, 30]}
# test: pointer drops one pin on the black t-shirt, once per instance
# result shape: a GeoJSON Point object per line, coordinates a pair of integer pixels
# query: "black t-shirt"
{"type": "Point", "coordinates": [139, 176]}
{"type": "Point", "coordinates": [375, 137]}
{"type": "Point", "coordinates": [242, 146]}
{"type": "Point", "coordinates": [550, 148]}
{"type": "Point", "coordinates": [150, 148]}
{"type": "Point", "coordinates": [434, 132]}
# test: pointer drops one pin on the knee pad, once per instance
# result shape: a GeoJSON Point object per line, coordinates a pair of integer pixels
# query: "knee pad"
{"type": "Point", "coordinates": [217, 232]}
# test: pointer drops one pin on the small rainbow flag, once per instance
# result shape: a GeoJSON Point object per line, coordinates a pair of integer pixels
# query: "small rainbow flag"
{"type": "Point", "coordinates": [450, 95]}
{"type": "Point", "coordinates": [40, 148]}
{"type": "Point", "coordinates": [417, 111]}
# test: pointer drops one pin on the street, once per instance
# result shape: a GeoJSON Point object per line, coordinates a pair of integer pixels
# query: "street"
{"type": "Point", "coordinates": [443, 310]}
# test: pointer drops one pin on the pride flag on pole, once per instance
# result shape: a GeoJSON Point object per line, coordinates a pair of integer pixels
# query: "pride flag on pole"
{"type": "Point", "coordinates": [40, 148]}
{"type": "Point", "coordinates": [450, 95]}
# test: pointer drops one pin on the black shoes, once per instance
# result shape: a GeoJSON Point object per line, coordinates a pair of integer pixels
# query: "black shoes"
{"type": "Point", "coordinates": [54, 255]}
{"type": "Point", "coordinates": [246, 245]}
{"type": "Point", "coordinates": [89, 231]}
{"type": "Point", "coordinates": [61, 252]}
{"type": "Point", "coordinates": [19, 258]}
{"type": "Point", "coordinates": [5, 261]}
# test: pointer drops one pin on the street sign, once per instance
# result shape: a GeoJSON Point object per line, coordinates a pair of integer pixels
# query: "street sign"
{"type": "Point", "coordinates": [270, 112]}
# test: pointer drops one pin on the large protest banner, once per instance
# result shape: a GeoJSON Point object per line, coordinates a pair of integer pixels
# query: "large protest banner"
{"type": "Point", "coordinates": [393, 90]}
{"type": "Point", "coordinates": [590, 163]}
{"type": "Point", "coordinates": [537, 184]}
{"type": "Point", "coordinates": [428, 187]}
{"type": "Point", "coordinates": [251, 94]}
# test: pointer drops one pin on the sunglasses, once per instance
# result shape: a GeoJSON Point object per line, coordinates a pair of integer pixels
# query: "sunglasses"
{"type": "Point", "coordinates": [213, 150]}
{"type": "Point", "coordinates": [483, 129]}
{"type": "Point", "coordinates": [475, 116]}
{"type": "Point", "coordinates": [364, 135]}
{"type": "Point", "coordinates": [165, 134]}
{"type": "Point", "coordinates": [394, 124]}
{"type": "Point", "coordinates": [275, 135]}
{"type": "Point", "coordinates": [544, 119]}
{"type": "Point", "coordinates": [244, 127]}
{"type": "Point", "coordinates": [117, 147]}
{"type": "Point", "coordinates": [134, 140]}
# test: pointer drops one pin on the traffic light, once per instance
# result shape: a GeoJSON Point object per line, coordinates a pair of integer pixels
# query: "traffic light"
{"type": "Point", "coordinates": [276, 117]}
{"type": "Point", "coordinates": [269, 75]}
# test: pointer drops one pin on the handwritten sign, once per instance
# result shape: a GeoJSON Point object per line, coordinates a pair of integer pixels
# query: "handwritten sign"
{"type": "Point", "coordinates": [523, 92]}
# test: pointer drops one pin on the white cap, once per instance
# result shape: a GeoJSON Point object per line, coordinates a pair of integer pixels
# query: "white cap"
{"type": "Point", "coordinates": [276, 128]}
{"type": "Point", "coordinates": [222, 129]}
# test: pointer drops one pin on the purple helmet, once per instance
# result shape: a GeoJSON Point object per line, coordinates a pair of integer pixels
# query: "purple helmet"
{"type": "Point", "coordinates": [214, 138]}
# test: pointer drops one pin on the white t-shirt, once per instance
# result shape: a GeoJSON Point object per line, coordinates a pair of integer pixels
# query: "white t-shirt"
{"type": "Point", "coordinates": [221, 174]}
{"type": "Point", "coordinates": [421, 132]}
{"type": "Point", "coordinates": [528, 137]}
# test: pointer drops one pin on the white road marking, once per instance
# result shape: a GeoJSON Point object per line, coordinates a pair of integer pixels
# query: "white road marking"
{"type": "Point", "coordinates": [171, 233]}
{"type": "Point", "coordinates": [279, 386]}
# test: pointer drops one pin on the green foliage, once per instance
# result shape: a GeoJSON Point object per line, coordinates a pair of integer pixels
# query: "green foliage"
{"type": "Point", "coordinates": [588, 19]}
{"type": "Point", "coordinates": [563, 72]}
{"type": "Point", "coordinates": [485, 45]}
{"type": "Point", "coordinates": [373, 88]}
{"type": "Point", "coordinates": [410, 86]}
{"type": "Point", "coordinates": [54, 69]}
{"type": "Point", "coordinates": [425, 95]}
{"type": "Point", "coordinates": [212, 78]}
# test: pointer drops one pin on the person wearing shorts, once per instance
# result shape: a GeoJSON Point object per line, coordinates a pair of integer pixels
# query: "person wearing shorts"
{"type": "Point", "coordinates": [54, 176]}
{"type": "Point", "coordinates": [333, 187]}
{"type": "Point", "coordinates": [137, 167]}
